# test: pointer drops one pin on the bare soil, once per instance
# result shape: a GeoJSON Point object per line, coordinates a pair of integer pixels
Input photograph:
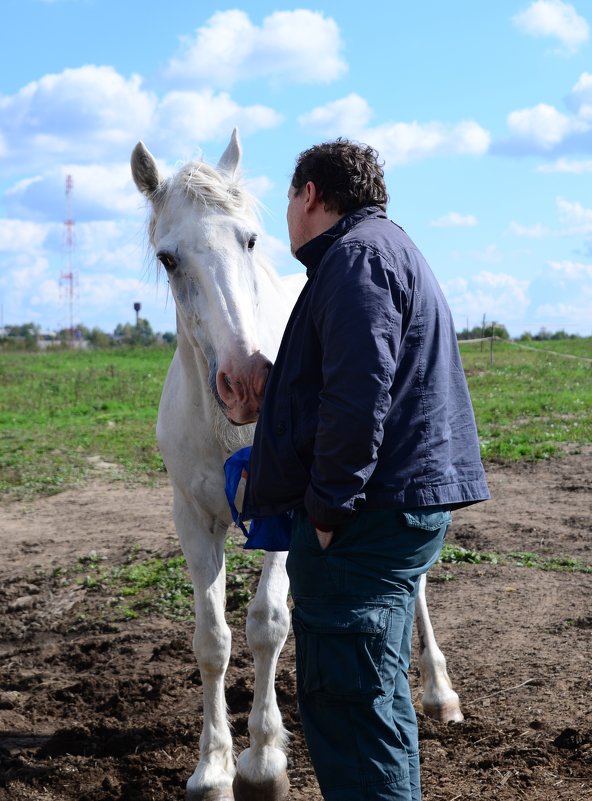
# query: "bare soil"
{"type": "Point", "coordinates": [99, 710]}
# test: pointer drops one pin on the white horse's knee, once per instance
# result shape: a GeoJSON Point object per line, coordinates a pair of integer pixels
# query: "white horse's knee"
{"type": "Point", "coordinates": [267, 626]}
{"type": "Point", "coordinates": [211, 646]}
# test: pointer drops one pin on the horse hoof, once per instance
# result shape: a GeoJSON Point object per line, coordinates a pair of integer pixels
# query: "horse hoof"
{"type": "Point", "coordinates": [271, 790]}
{"type": "Point", "coordinates": [212, 794]}
{"type": "Point", "coordinates": [444, 713]}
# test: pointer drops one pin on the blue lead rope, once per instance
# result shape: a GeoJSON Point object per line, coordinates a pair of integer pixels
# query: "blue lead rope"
{"type": "Point", "coordinates": [268, 533]}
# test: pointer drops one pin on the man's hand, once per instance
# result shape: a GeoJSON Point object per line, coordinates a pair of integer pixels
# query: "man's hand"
{"type": "Point", "coordinates": [324, 538]}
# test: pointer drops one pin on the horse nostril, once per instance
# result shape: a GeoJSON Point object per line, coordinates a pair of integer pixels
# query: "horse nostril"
{"type": "Point", "coordinates": [233, 386]}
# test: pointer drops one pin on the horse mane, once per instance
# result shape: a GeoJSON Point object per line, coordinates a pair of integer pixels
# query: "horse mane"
{"type": "Point", "coordinates": [204, 184]}
{"type": "Point", "coordinates": [207, 186]}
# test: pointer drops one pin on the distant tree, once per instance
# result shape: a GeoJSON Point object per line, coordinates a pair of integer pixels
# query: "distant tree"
{"type": "Point", "coordinates": [498, 330]}
{"type": "Point", "coordinates": [22, 336]}
{"type": "Point", "coordinates": [98, 338]}
{"type": "Point", "coordinates": [140, 334]}
{"type": "Point", "coordinates": [145, 334]}
{"type": "Point", "coordinates": [526, 337]}
{"type": "Point", "coordinates": [26, 330]}
{"type": "Point", "coordinates": [471, 333]}
{"type": "Point", "coordinates": [169, 337]}
{"type": "Point", "coordinates": [478, 331]}
{"type": "Point", "coordinates": [82, 332]}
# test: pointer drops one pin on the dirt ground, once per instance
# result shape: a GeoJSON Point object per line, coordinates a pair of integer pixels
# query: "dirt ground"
{"type": "Point", "coordinates": [110, 711]}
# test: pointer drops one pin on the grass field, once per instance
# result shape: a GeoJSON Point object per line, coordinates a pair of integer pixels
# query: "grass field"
{"type": "Point", "coordinates": [530, 401]}
{"type": "Point", "coordinates": [61, 412]}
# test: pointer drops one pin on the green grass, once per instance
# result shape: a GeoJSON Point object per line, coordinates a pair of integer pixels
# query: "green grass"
{"type": "Point", "coordinates": [159, 584]}
{"type": "Point", "coordinates": [455, 554]}
{"type": "Point", "coordinates": [62, 411]}
{"type": "Point", "coordinates": [529, 404]}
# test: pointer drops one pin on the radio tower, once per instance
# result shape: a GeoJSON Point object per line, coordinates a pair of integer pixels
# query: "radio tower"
{"type": "Point", "coordinates": [68, 278]}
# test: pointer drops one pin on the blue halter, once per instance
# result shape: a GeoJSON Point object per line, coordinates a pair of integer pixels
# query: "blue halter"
{"type": "Point", "coordinates": [268, 533]}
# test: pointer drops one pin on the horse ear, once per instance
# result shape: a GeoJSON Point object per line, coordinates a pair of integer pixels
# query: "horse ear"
{"type": "Point", "coordinates": [230, 159]}
{"type": "Point", "coordinates": [144, 170]}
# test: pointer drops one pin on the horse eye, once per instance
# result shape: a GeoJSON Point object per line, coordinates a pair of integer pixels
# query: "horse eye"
{"type": "Point", "coordinates": [251, 242]}
{"type": "Point", "coordinates": [166, 259]}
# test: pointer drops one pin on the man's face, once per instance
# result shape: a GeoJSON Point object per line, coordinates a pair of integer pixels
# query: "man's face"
{"type": "Point", "coordinates": [296, 219]}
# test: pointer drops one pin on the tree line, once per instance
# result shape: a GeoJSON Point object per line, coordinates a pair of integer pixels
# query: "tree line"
{"type": "Point", "coordinates": [29, 336]}
{"type": "Point", "coordinates": [501, 332]}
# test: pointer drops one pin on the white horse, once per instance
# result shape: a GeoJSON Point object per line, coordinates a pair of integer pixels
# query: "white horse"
{"type": "Point", "coordinates": [231, 312]}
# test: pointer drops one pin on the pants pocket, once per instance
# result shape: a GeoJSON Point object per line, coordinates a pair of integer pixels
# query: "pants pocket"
{"type": "Point", "coordinates": [427, 519]}
{"type": "Point", "coordinates": [340, 650]}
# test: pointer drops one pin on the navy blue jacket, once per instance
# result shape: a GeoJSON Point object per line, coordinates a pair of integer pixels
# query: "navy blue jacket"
{"type": "Point", "coordinates": [366, 406]}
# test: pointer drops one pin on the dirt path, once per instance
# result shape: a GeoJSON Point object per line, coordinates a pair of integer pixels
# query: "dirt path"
{"type": "Point", "coordinates": [95, 711]}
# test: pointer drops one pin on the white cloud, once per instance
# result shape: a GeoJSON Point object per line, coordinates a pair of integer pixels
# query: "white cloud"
{"type": "Point", "coordinates": [300, 46]}
{"type": "Point", "coordinates": [498, 296]}
{"type": "Point", "coordinates": [561, 297]}
{"type": "Point", "coordinates": [278, 254]}
{"type": "Point", "coordinates": [103, 294]}
{"type": "Point", "coordinates": [93, 114]}
{"type": "Point", "coordinates": [18, 236]}
{"type": "Point", "coordinates": [543, 125]}
{"type": "Point", "coordinates": [572, 270]}
{"type": "Point", "coordinates": [491, 254]}
{"type": "Point", "coordinates": [104, 245]}
{"type": "Point", "coordinates": [529, 231]}
{"type": "Point", "coordinates": [22, 276]}
{"type": "Point", "coordinates": [98, 192]}
{"type": "Point", "coordinates": [107, 283]}
{"type": "Point", "coordinates": [565, 165]}
{"type": "Point", "coordinates": [85, 113]}
{"type": "Point", "coordinates": [576, 218]}
{"type": "Point", "coordinates": [185, 117]}
{"type": "Point", "coordinates": [397, 142]}
{"type": "Point", "coordinates": [401, 143]}
{"type": "Point", "coordinates": [351, 113]}
{"type": "Point", "coordinates": [555, 19]}
{"type": "Point", "coordinates": [543, 129]}
{"type": "Point", "coordinates": [569, 315]}
{"type": "Point", "coordinates": [455, 220]}
{"type": "Point", "coordinates": [259, 185]}
{"type": "Point", "coordinates": [580, 97]}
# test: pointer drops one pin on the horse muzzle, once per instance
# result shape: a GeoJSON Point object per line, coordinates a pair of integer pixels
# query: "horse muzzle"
{"type": "Point", "coordinates": [241, 388]}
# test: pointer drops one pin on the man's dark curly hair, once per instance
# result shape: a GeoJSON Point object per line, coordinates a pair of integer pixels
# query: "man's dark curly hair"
{"type": "Point", "coordinates": [347, 175]}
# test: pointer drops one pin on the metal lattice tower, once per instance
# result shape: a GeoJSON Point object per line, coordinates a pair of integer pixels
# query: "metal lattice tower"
{"type": "Point", "coordinates": [68, 277]}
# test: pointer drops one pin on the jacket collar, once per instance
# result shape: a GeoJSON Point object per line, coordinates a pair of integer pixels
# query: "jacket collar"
{"type": "Point", "coordinates": [311, 254]}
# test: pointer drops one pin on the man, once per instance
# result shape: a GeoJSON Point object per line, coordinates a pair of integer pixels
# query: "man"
{"type": "Point", "coordinates": [368, 434]}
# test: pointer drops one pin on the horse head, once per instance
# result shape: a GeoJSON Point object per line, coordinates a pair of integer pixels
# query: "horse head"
{"type": "Point", "coordinates": [203, 229]}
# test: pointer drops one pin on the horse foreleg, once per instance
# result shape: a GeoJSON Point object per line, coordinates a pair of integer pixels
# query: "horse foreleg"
{"type": "Point", "coordinates": [261, 768]}
{"type": "Point", "coordinates": [439, 700]}
{"type": "Point", "coordinates": [202, 542]}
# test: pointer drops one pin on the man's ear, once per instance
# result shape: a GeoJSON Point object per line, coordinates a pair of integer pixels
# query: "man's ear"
{"type": "Point", "coordinates": [311, 196]}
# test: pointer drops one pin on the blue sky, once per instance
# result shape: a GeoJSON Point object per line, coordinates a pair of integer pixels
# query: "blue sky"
{"type": "Point", "coordinates": [481, 111]}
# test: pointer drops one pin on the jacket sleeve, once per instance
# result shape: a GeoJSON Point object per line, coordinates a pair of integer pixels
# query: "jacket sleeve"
{"type": "Point", "coordinates": [358, 311]}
